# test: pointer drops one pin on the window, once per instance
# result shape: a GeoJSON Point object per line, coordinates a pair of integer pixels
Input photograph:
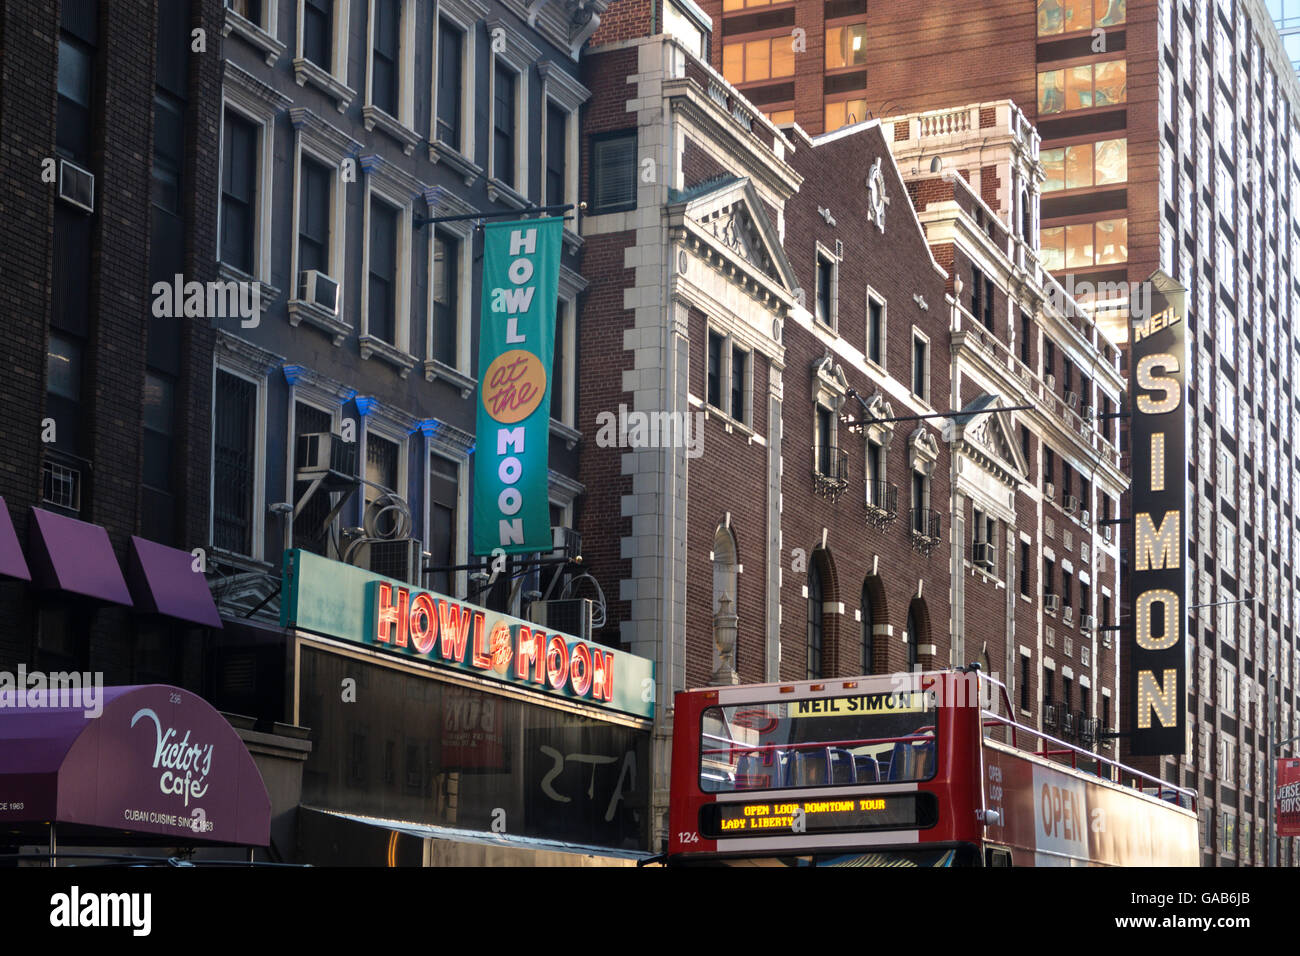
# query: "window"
{"type": "Point", "coordinates": [1049, 468]}
{"type": "Point", "coordinates": [381, 466]}
{"type": "Point", "coordinates": [984, 540]}
{"type": "Point", "coordinates": [444, 489]}
{"type": "Point", "coordinates": [1025, 701]}
{"type": "Point", "coordinates": [981, 298]}
{"type": "Point", "coordinates": [1083, 87]}
{"type": "Point", "coordinates": [63, 390]}
{"type": "Point", "coordinates": [1085, 600]}
{"type": "Point", "coordinates": [876, 491]}
{"type": "Point", "coordinates": [446, 279]}
{"type": "Point", "coordinates": [1049, 685]}
{"type": "Point", "coordinates": [385, 65]}
{"type": "Point", "coordinates": [234, 436]}
{"type": "Point", "coordinates": [239, 193]}
{"type": "Point", "coordinates": [815, 611]}
{"type": "Point", "coordinates": [1049, 358]}
{"type": "Point", "coordinates": [1105, 610]}
{"type": "Point", "coordinates": [844, 113]}
{"type": "Point", "coordinates": [76, 83]}
{"type": "Point", "coordinates": [308, 531]}
{"type": "Point", "coordinates": [868, 631]}
{"type": "Point", "coordinates": [1084, 245]}
{"type": "Point", "coordinates": [250, 10]}
{"type": "Point", "coordinates": [825, 440]}
{"type": "Point", "coordinates": [1068, 16]}
{"type": "Point", "coordinates": [451, 45]}
{"type": "Point", "coordinates": [846, 46]}
{"type": "Point", "coordinates": [920, 367]}
{"type": "Point", "coordinates": [915, 634]}
{"type": "Point", "coordinates": [826, 291]}
{"type": "Point", "coordinates": [1085, 165]}
{"type": "Point", "coordinates": [1024, 445]}
{"type": "Point", "coordinates": [683, 27]}
{"type": "Point", "coordinates": [1067, 581]}
{"type": "Point", "coordinates": [1026, 564]}
{"type": "Point", "coordinates": [559, 376]}
{"type": "Point", "coordinates": [314, 217]}
{"type": "Point", "coordinates": [557, 127]}
{"type": "Point", "coordinates": [726, 567]}
{"type": "Point", "coordinates": [381, 310]}
{"type": "Point", "coordinates": [318, 32]}
{"type": "Point", "coordinates": [876, 330]}
{"type": "Point", "coordinates": [920, 503]}
{"type": "Point", "coordinates": [1049, 575]}
{"type": "Point", "coordinates": [750, 61]}
{"type": "Point", "coordinates": [157, 418]}
{"type": "Point", "coordinates": [716, 343]}
{"type": "Point", "coordinates": [504, 99]}
{"type": "Point", "coordinates": [613, 172]}
{"type": "Point", "coordinates": [739, 383]}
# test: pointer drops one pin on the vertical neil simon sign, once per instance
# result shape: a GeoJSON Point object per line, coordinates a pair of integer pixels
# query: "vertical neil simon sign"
{"type": "Point", "coordinates": [521, 264]}
{"type": "Point", "coordinates": [1157, 685]}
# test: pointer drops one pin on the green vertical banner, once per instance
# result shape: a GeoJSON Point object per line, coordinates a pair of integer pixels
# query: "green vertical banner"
{"type": "Point", "coordinates": [521, 274]}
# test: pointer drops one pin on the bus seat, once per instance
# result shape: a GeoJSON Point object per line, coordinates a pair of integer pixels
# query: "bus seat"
{"type": "Point", "coordinates": [911, 761]}
{"type": "Point", "coordinates": [811, 768]}
{"type": "Point", "coordinates": [868, 769]}
{"type": "Point", "coordinates": [842, 766]}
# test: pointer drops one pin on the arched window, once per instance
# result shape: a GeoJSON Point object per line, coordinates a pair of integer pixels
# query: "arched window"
{"type": "Point", "coordinates": [868, 630]}
{"type": "Point", "coordinates": [914, 634]}
{"type": "Point", "coordinates": [815, 611]}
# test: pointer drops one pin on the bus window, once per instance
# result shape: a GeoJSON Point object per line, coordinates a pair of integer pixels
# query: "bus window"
{"type": "Point", "coordinates": [830, 741]}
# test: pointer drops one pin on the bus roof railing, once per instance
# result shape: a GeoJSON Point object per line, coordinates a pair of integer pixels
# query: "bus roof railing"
{"type": "Point", "coordinates": [1076, 752]}
{"type": "Point", "coordinates": [823, 744]}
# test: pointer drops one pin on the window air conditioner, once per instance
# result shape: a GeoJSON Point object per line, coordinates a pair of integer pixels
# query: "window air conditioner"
{"type": "Point", "coordinates": [1051, 603]}
{"type": "Point", "coordinates": [320, 290]}
{"type": "Point", "coordinates": [1072, 399]}
{"type": "Point", "coordinates": [1050, 379]}
{"type": "Point", "coordinates": [76, 185]}
{"type": "Point", "coordinates": [1067, 614]}
{"type": "Point", "coordinates": [401, 559]}
{"type": "Point", "coordinates": [1087, 622]}
{"type": "Point", "coordinates": [1049, 490]}
{"type": "Point", "coordinates": [571, 616]}
{"type": "Point", "coordinates": [1106, 533]}
{"type": "Point", "coordinates": [982, 552]}
{"type": "Point", "coordinates": [322, 452]}
{"type": "Point", "coordinates": [1071, 504]}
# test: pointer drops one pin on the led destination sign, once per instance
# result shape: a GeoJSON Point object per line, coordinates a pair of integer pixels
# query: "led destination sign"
{"type": "Point", "coordinates": [903, 702]}
{"type": "Point", "coordinates": [895, 811]}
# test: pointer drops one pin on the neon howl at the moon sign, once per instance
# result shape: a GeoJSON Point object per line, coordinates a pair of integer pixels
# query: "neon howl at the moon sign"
{"type": "Point", "coordinates": [1157, 673]}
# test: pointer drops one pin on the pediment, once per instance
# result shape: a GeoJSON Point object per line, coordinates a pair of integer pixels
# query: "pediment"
{"type": "Point", "coordinates": [731, 215]}
{"type": "Point", "coordinates": [992, 434]}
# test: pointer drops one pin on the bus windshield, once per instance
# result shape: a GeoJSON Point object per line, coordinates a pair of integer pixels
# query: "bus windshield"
{"type": "Point", "coordinates": [826, 741]}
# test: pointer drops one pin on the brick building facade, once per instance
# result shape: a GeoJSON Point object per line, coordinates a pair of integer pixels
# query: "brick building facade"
{"type": "Point", "coordinates": [108, 117]}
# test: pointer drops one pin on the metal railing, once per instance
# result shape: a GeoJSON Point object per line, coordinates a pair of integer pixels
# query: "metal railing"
{"type": "Point", "coordinates": [830, 471]}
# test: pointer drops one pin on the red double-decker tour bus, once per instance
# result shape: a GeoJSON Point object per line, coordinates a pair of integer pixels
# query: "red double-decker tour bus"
{"type": "Point", "coordinates": [925, 769]}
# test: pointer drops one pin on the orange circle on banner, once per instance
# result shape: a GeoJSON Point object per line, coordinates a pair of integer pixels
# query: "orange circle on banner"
{"type": "Point", "coordinates": [514, 386]}
{"type": "Point", "coordinates": [502, 651]}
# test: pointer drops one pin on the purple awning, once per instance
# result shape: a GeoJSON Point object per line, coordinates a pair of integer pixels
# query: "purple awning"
{"type": "Point", "coordinates": [163, 579]}
{"type": "Point", "coordinates": [12, 562]}
{"type": "Point", "coordinates": [152, 759]}
{"type": "Point", "coordinates": [75, 556]}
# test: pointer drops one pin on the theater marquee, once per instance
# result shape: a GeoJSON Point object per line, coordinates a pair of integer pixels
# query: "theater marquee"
{"type": "Point", "coordinates": [1157, 672]}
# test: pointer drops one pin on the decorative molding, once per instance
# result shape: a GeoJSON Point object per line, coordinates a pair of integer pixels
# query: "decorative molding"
{"type": "Point", "coordinates": [826, 214]}
{"type": "Point", "coordinates": [570, 436]}
{"type": "Point", "coordinates": [564, 487]}
{"type": "Point", "coordinates": [321, 135]}
{"type": "Point", "coordinates": [440, 152]}
{"type": "Point", "coordinates": [305, 71]}
{"type": "Point", "coordinates": [922, 451]}
{"type": "Point", "coordinates": [434, 370]}
{"type": "Point", "coordinates": [498, 191]}
{"type": "Point", "coordinates": [241, 355]}
{"type": "Point", "coordinates": [447, 438]}
{"type": "Point", "coordinates": [387, 173]}
{"type": "Point", "coordinates": [246, 90]}
{"type": "Point", "coordinates": [326, 321]}
{"type": "Point", "coordinates": [252, 34]}
{"type": "Point", "coordinates": [830, 385]}
{"type": "Point", "coordinates": [562, 87]}
{"type": "Point", "coordinates": [375, 117]}
{"type": "Point", "coordinates": [372, 347]}
{"type": "Point", "coordinates": [877, 198]}
{"type": "Point", "coordinates": [442, 201]}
